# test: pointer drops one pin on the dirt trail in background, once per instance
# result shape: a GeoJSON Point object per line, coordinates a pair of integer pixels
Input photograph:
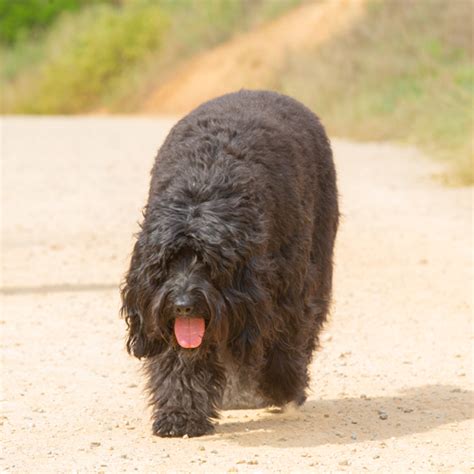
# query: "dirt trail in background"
{"type": "Point", "coordinates": [391, 389]}
{"type": "Point", "coordinates": [249, 60]}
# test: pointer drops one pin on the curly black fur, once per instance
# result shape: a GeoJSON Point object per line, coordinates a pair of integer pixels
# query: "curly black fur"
{"type": "Point", "coordinates": [241, 217]}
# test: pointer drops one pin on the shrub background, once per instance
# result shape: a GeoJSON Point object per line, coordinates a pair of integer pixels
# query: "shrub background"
{"type": "Point", "coordinates": [404, 72]}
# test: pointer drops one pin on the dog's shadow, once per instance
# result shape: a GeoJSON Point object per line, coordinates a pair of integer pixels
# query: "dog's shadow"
{"type": "Point", "coordinates": [351, 420]}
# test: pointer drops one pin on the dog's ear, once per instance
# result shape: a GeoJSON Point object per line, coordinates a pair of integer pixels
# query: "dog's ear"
{"type": "Point", "coordinates": [136, 298]}
{"type": "Point", "coordinates": [138, 344]}
{"type": "Point", "coordinates": [249, 302]}
{"type": "Point", "coordinates": [136, 340]}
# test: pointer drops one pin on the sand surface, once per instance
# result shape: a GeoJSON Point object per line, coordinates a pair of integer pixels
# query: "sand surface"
{"type": "Point", "coordinates": [391, 388]}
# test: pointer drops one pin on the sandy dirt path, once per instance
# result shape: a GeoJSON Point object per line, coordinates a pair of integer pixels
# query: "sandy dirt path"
{"type": "Point", "coordinates": [391, 388]}
{"type": "Point", "coordinates": [250, 59]}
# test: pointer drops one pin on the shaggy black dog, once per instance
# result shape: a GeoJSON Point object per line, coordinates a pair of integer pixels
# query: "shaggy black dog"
{"type": "Point", "coordinates": [230, 277]}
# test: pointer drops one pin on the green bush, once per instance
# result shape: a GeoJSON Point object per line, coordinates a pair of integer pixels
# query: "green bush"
{"type": "Point", "coordinates": [22, 18]}
{"type": "Point", "coordinates": [105, 43]}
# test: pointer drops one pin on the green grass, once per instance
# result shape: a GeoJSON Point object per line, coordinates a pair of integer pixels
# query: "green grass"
{"type": "Point", "coordinates": [403, 73]}
{"type": "Point", "coordinates": [109, 55]}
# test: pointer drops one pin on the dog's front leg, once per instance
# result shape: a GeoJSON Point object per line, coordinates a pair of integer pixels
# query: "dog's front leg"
{"type": "Point", "coordinates": [186, 392]}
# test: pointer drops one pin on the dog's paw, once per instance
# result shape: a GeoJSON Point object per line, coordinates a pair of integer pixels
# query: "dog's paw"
{"type": "Point", "coordinates": [178, 424]}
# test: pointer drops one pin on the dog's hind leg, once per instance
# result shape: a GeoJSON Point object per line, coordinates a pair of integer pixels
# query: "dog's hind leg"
{"type": "Point", "coordinates": [241, 390]}
{"type": "Point", "coordinates": [284, 377]}
{"type": "Point", "coordinates": [185, 393]}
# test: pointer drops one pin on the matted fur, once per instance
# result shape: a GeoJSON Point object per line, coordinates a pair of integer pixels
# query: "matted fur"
{"type": "Point", "coordinates": [242, 213]}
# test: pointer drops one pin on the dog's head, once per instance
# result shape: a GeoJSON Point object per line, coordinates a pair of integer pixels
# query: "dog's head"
{"type": "Point", "coordinates": [186, 306]}
{"type": "Point", "coordinates": [188, 310]}
{"type": "Point", "coordinates": [197, 271]}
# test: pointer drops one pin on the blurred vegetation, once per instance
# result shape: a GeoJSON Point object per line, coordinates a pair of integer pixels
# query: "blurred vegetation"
{"type": "Point", "coordinates": [404, 73]}
{"type": "Point", "coordinates": [110, 53]}
{"type": "Point", "coordinates": [20, 19]}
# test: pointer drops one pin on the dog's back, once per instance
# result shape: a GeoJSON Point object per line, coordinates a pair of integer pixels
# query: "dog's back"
{"type": "Point", "coordinates": [285, 149]}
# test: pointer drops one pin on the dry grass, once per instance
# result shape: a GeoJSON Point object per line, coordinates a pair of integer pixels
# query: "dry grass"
{"type": "Point", "coordinates": [404, 73]}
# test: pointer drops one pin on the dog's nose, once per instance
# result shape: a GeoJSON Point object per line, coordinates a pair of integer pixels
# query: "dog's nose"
{"type": "Point", "coordinates": [183, 306]}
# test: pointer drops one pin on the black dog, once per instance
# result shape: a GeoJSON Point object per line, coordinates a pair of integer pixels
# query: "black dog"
{"type": "Point", "coordinates": [230, 277]}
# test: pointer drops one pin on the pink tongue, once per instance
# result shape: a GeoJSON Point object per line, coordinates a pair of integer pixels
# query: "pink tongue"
{"type": "Point", "coordinates": [189, 332]}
